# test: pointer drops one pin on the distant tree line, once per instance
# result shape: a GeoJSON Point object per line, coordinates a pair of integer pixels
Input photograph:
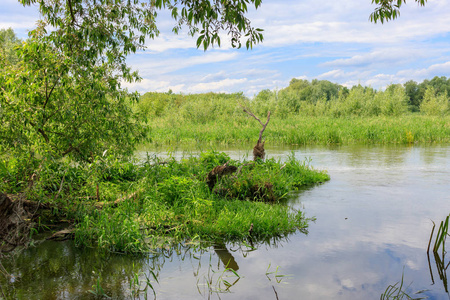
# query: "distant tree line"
{"type": "Point", "coordinates": [309, 98]}
{"type": "Point", "coordinates": [322, 97]}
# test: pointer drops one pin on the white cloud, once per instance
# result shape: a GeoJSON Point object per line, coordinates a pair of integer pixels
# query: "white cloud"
{"type": "Point", "coordinates": [291, 22]}
{"type": "Point", "coordinates": [431, 71]}
{"type": "Point", "coordinates": [395, 55]}
{"type": "Point", "coordinates": [149, 64]}
{"type": "Point", "coordinates": [216, 86]}
{"type": "Point", "coordinates": [147, 85]}
{"type": "Point", "coordinates": [165, 42]}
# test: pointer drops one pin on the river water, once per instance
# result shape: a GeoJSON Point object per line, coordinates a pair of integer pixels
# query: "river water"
{"type": "Point", "coordinates": [372, 225]}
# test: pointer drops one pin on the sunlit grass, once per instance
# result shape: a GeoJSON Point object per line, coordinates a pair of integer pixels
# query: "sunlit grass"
{"type": "Point", "coordinates": [299, 130]}
{"type": "Point", "coordinates": [170, 201]}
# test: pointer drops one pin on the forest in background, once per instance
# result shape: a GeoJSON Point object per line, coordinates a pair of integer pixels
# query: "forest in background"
{"type": "Point", "coordinates": [305, 112]}
{"type": "Point", "coordinates": [308, 98]}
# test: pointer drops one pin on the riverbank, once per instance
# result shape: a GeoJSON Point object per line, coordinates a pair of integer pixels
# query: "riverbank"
{"type": "Point", "coordinates": [301, 130]}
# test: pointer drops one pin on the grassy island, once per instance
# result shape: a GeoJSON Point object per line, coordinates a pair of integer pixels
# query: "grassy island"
{"type": "Point", "coordinates": [132, 207]}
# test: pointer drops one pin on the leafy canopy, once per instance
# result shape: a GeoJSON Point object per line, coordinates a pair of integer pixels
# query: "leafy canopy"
{"type": "Point", "coordinates": [106, 25]}
{"type": "Point", "coordinates": [63, 96]}
{"type": "Point", "coordinates": [51, 105]}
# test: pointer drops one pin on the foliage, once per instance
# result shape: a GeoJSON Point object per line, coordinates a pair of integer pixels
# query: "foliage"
{"type": "Point", "coordinates": [8, 41]}
{"type": "Point", "coordinates": [65, 96]}
{"type": "Point", "coordinates": [127, 206]}
{"type": "Point", "coordinates": [389, 9]}
{"type": "Point", "coordinates": [322, 98]}
{"type": "Point", "coordinates": [435, 104]}
{"type": "Point", "coordinates": [51, 105]}
{"type": "Point", "coordinates": [416, 91]}
{"type": "Point", "coordinates": [201, 107]}
{"type": "Point", "coordinates": [112, 28]}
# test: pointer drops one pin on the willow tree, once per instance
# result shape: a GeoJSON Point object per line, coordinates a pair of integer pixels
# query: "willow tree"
{"type": "Point", "coordinates": [64, 96]}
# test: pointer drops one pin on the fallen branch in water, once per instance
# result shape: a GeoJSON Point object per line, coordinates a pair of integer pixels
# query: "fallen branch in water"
{"type": "Point", "coordinates": [62, 235]}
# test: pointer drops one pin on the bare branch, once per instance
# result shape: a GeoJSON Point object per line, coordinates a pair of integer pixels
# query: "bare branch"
{"type": "Point", "coordinates": [264, 127]}
{"type": "Point", "coordinates": [258, 150]}
{"type": "Point", "coordinates": [251, 114]}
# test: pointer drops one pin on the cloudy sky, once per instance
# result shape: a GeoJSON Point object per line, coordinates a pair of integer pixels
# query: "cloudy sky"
{"type": "Point", "coordinates": [308, 39]}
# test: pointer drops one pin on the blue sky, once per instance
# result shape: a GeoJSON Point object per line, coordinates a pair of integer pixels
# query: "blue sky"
{"type": "Point", "coordinates": [306, 39]}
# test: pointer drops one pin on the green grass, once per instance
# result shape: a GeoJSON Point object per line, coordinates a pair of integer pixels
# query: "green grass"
{"type": "Point", "coordinates": [170, 200]}
{"type": "Point", "coordinates": [300, 130]}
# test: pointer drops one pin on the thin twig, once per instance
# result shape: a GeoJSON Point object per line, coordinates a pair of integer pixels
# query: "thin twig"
{"type": "Point", "coordinates": [276, 294]}
{"type": "Point", "coordinates": [251, 114]}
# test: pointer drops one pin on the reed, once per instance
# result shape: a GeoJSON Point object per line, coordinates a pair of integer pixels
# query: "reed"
{"type": "Point", "coordinates": [441, 236]}
{"type": "Point", "coordinates": [397, 291]}
{"type": "Point", "coordinates": [304, 130]}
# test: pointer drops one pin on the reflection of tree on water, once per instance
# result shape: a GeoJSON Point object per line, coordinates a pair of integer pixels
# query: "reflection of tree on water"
{"type": "Point", "coordinates": [441, 269]}
{"type": "Point", "coordinates": [225, 256]}
{"type": "Point", "coordinates": [53, 270]}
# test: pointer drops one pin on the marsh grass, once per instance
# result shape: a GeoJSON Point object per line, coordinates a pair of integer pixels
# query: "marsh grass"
{"type": "Point", "coordinates": [441, 236]}
{"type": "Point", "coordinates": [276, 275]}
{"type": "Point", "coordinates": [361, 116]}
{"type": "Point", "coordinates": [304, 130]}
{"type": "Point", "coordinates": [98, 291]}
{"type": "Point", "coordinates": [397, 291]}
{"type": "Point", "coordinates": [439, 252]}
{"type": "Point", "coordinates": [138, 286]}
{"type": "Point", "coordinates": [129, 206]}
{"type": "Point", "coordinates": [217, 281]}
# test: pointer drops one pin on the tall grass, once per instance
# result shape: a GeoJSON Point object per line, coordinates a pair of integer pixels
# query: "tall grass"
{"type": "Point", "coordinates": [126, 206]}
{"type": "Point", "coordinates": [406, 129]}
{"type": "Point", "coordinates": [362, 115]}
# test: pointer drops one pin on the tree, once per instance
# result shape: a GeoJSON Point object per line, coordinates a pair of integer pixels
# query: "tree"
{"type": "Point", "coordinates": [51, 105]}
{"type": "Point", "coordinates": [435, 104]}
{"type": "Point", "coordinates": [389, 9]}
{"type": "Point", "coordinates": [440, 84]}
{"type": "Point", "coordinates": [412, 91]}
{"type": "Point", "coordinates": [9, 41]}
{"type": "Point", "coordinates": [65, 96]}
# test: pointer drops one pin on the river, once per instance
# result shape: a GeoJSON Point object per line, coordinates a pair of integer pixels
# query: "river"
{"type": "Point", "coordinates": [373, 220]}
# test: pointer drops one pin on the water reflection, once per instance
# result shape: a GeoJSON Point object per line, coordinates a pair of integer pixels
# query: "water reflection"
{"type": "Point", "coordinates": [372, 225]}
{"type": "Point", "coordinates": [225, 256]}
{"type": "Point", "coordinates": [441, 268]}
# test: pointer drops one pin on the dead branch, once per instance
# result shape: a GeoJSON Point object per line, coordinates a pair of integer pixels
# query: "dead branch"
{"type": "Point", "coordinates": [100, 205]}
{"type": "Point", "coordinates": [258, 150]}
{"type": "Point", "coordinates": [62, 235]}
{"type": "Point", "coordinates": [218, 172]}
{"type": "Point", "coordinates": [260, 122]}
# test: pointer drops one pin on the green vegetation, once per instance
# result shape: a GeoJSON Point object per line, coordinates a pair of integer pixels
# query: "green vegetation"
{"type": "Point", "coordinates": [389, 9]}
{"type": "Point", "coordinates": [317, 112]}
{"type": "Point", "coordinates": [131, 207]}
{"type": "Point", "coordinates": [398, 292]}
{"type": "Point", "coordinates": [68, 131]}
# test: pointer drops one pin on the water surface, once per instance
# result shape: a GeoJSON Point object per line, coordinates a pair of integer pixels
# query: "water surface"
{"type": "Point", "coordinates": [373, 222]}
